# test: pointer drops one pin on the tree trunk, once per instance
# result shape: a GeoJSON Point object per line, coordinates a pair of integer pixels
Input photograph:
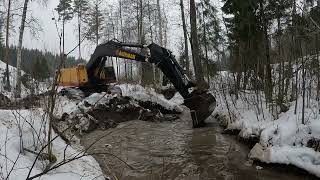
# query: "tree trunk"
{"type": "Point", "coordinates": [7, 86]}
{"type": "Point", "coordinates": [97, 25]}
{"type": "Point", "coordinates": [205, 45]}
{"type": "Point", "coordinates": [122, 38]}
{"type": "Point", "coordinates": [157, 74]}
{"type": "Point", "coordinates": [195, 47]}
{"type": "Point", "coordinates": [186, 48]}
{"type": "Point", "coordinates": [281, 74]}
{"type": "Point", "coordinates": [19, 49]}
{"type": "Point", "coordinates": [79, 30]}
{"type": "Point", "coordinates": [303, 82]}
{"type": "Point", "coordinates": [160, 23]}
{"type": "Point", "coordinates": [269, 87]}
{"type": "Point", "coordinates": [63, 40]}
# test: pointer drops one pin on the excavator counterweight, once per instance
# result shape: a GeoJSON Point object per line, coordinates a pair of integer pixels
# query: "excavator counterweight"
{"type": "Point", "coordinates": [200, 102]}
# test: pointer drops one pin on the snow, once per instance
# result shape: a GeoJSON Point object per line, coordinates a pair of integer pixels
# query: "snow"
{"type": "Point", "coordinates": [41, 86]}
{"type": "Point", "coordinates": [11, 120]}
{"type": "Point", "coordinates": [140, 93]}
{"type": "Point", "coordinates": [73, 106]}
{"type": "Point", "coordinates": [282, 138]}
{"type": "Point", "coordinates": [136, 92]}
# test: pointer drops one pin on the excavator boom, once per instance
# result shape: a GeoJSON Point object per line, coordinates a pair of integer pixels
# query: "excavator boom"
{"type": "Point", "coordinates": [200, 102]}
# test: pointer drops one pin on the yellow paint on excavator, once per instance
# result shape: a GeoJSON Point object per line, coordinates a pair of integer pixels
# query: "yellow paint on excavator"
{"type": "Point", "coordinates": [126, 54]}
{"type": "Point", "coordinates": [75, 76]}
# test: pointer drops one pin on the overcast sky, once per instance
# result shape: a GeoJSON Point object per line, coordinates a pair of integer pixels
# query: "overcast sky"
{"type": "Point", "coordinates": [48, 38]}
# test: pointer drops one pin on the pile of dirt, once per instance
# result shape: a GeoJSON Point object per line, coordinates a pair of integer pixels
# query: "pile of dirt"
{"type": "Point", "coordinates": [110, 114]}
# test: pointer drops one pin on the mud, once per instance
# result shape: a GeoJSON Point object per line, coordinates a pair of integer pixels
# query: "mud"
{"type": "Point", "coordinates": [110, 114]}
{"type": "Point", "coordinates": [173, 150]}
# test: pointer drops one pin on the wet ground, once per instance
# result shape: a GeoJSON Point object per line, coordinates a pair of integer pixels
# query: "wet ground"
{"type": "Point", "coordinates": [173, 150]}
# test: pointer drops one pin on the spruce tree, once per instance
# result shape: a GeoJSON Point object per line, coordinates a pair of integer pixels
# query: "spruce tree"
{"type": "Point", "coordinates": [209, 33]}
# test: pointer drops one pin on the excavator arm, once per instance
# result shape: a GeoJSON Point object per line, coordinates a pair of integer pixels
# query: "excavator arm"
{"type": "Point", "coordinates": [200, 102]}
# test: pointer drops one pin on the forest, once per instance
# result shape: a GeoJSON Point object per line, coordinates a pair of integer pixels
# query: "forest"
{"type": "Point", "coordinates": [209, 70]}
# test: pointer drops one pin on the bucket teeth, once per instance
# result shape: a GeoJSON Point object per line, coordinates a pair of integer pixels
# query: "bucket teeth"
{"type": "Point", "coordinates": [201, 105]}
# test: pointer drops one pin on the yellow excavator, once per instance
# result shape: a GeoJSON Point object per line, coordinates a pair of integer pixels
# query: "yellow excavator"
{"type": "Point", "coordinates": [95, 76]}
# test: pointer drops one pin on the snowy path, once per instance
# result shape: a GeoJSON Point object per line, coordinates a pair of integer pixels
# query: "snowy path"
{"type": "Point", "coordinates": [173, 150]}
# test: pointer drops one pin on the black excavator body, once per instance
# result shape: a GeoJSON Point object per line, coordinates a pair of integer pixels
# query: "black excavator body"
{"type": "Point", "coordinates": [200, 102]}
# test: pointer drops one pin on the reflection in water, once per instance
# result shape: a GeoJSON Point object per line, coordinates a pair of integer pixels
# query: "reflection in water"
{"type": "Point", "coordinates": [173, 150]}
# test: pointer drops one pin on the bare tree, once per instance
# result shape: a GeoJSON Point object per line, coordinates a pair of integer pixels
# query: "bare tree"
{"type": "Point", "coordinates": [7, 86]}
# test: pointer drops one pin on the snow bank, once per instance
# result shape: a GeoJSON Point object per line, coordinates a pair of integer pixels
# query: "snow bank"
{"type": "Point", "coordinates": [73, 106]}
{"type": "Point", "coordinates": [242, 116]}
{"type": "Point", "coordinates": [33, 136]}
{"type": "Point", "coordinates": [12, 79]}
{"type": "Point", "coordinates": [283, 139]}
{"type": "Point", "coordinates": [140, 93]}
{"type": "Point", "coordinates": [41, 86]}
{"type": "Point", "coordinates": [136, 92]}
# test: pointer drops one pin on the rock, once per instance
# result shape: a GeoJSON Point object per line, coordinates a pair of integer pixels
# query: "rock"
{"type": "Point", "coordinates": [314, 144]}
{"type": "Point", "coordinates": [258, 152]}
{"type": "Point", "coordinates": [108, 146]}
{"type": "Point", "coordinates": [64, 117]}
{"type": "Point", "coordinates": [86, 104]}
{"type": "Point", "coordinates": [248, 163]}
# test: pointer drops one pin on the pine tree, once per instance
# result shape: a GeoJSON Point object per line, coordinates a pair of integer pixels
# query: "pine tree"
{"type": "Point", "coordinates": [80, 8]}
{"type": "Point", "coordinates": [65, 12]}
{"type": "Point", "coordinates": [94, 23]}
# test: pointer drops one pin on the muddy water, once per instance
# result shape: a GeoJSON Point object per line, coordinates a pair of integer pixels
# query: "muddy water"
{"type": "Point", "coordinates": [173, 150]}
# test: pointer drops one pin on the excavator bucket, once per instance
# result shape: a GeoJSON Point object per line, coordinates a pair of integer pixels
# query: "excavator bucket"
{"type": "Point", "coordinates": [201, 105]}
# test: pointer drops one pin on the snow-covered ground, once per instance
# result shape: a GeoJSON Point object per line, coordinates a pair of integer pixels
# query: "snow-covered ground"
{"type": "Point", "coordinates": [282, 138]}
{"type": "Point", "coordinates": [32, 126]}
{"type": "Point", "coordinates": [41, 86]}
{"type": "Point", "coordinates": [136, 92]}
{"type": "Point", "coordinates": [140, 93]}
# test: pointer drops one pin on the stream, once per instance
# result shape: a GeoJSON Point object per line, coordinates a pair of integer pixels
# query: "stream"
{"type": "Point", "coordinates": [173, 150]}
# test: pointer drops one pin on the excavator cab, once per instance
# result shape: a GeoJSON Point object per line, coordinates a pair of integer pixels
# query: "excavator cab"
{"type": "Point", "coordinates": [105, 73]}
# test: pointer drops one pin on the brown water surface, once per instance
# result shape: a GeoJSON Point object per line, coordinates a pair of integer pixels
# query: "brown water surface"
{"type": "Point", "coordinates": [173, 150]}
